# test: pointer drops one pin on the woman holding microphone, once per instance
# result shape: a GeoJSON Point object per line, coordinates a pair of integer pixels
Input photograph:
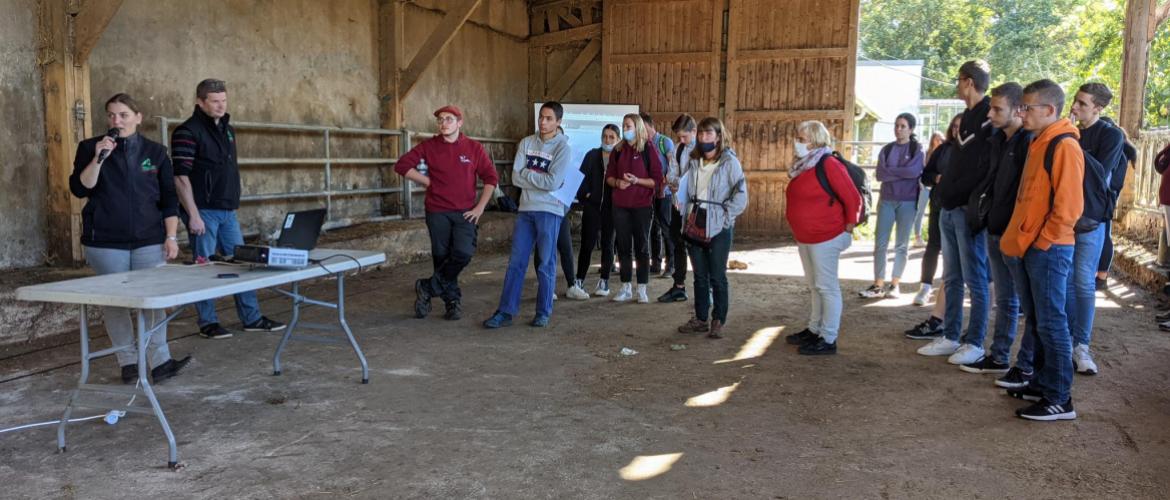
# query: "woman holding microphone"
{"type": "Point", "coordinates": [129, 222]}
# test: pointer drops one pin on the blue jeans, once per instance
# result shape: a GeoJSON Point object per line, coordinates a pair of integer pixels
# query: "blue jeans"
{"type": "Point", "coordinates": [1007, 304]}
{"type": "Point", "coordinates": [964, 262]}
{"type": "Point", "coordinates": [923, 201]}
{"type": "Point", "coordinates": [1023, 288]}
{"type": "Point", "coordinates": [824, 284]}
{"type": "Point", "coordinates": [539, 231]}
{"type": "Point", "coordinates": [1048, 272]}
{"type": "Point", "coordinates": [889, 212]}
{"type": "Point", "coordinates": [711, 276]}
{"type": "Point", "coordinates": [1081, 297]}
{"type": "Point", "coordinates": [223, 232]}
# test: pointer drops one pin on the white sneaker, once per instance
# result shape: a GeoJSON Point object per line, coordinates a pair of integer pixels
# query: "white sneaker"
{"type": "Point", "coordinates": [873, 292]}
{"type": "Point", "coordinates": [939, 347]}
{"type": "Point", "coordinates": [891, 291]}
{"type": "Point", "coordinates": [602, 288]}
{"type": "Point", "coordinates": [625, 293]}
{"type": "Point", "coordinates": [1083, 360]}
{"type": "Point", "coordinates": [577, 293]}
{"type": "Point", "coordinates": [966, 354]}
{"type": "Point", "coordinates": [923, 295]}
{"type": "Point", "coordinates": [642, 297]}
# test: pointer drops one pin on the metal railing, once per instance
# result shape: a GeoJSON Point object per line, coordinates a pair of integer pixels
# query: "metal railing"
{"type": "Point", "coordinates": [1146, 179]}
{"type": "Point", "coordinates": [327, 161]}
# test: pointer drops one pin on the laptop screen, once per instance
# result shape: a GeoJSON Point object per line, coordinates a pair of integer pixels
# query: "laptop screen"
{"type": "Point", "coordinates": [301, 229]}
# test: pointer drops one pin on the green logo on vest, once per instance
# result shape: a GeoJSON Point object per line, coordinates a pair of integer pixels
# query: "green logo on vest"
{"type": "Point", "coordinates": [147, 165]}
{"type": "Point", "coordinates": [231, 136]}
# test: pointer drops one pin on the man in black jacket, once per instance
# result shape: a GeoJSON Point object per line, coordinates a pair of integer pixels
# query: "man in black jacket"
{"type": "Point", "coordinates": [965, 251]}
{"type": "Point", "coordinates": [207, 178]}
{"type": "Point", "coordinates": [991, 206]}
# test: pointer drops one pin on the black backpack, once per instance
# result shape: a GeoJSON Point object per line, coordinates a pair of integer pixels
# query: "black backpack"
{"type": "Point", "coordinates": [1098, 200]}
{"type": "Point", "coordinates": [860, 181]}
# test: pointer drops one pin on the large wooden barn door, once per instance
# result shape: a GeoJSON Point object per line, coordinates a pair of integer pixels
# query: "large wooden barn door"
{"type": "Point", "coordinates": [787, 61]}
{"type": "Point", "coordinates": [663, 55]}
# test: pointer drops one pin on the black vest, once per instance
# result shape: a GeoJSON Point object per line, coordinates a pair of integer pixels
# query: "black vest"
{"type": "Point", "coordinates": [215, 174]}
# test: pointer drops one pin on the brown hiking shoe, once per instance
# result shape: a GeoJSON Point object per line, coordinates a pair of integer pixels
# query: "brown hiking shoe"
{"type": "Point", "coordinates": [716, 330]}
{"type": "Point", "coordinates": [693, 326]}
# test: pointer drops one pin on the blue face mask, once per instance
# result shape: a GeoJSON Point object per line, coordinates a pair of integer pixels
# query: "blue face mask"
{"type": "Point", "coordinates": [629, 135]}
{"type": "Point", "coordinates": [706, 147]}
{"type": "Point", "coordinates": [607, 147]}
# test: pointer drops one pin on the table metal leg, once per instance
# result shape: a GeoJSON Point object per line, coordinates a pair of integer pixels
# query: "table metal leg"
{"type": "Point", "coordinates": [345, 326]}
{"type": "Point", "coordinates": [81, 381]}
{"type": "Point", "coordinates": [292, 325]}
{"type": "Point", "coordinates": [144, 381]}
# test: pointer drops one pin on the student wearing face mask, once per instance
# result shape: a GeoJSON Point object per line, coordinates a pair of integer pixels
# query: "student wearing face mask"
{"type": "Point", "coordinates": [597, 220]}
{"type": "Point", "coordinates": [822, 223]}
{"type": "Point", "coordinates": [899, 166]}
{"type": "Point", "coordinates": [635, 174]}
{"type": "Point", "coordinates": [715, 193]}
{"type": "Point", "coordinates": [130, 221]}
{"type": "Point", "coordinates": [684, 130]}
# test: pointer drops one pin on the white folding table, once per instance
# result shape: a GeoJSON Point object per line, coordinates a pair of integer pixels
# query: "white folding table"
{"type": "Point", "coordinates": [175, 287]}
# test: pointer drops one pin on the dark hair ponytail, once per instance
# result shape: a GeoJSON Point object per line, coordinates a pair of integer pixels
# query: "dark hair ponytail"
{"type": "Point", "coordinates": [912, 122]}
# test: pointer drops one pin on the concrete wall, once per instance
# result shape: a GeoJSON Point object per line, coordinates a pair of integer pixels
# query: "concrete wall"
{"type": "Point", "coordinates": [22, 139]}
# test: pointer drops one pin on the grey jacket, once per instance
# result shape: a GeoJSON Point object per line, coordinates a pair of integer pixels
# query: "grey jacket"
{"type": "Point", "coordinates": [676, 169]}
{"type": "Point", "coordinates": [728, 192]}
{"type": "Point", "coordinates": [539, 170]}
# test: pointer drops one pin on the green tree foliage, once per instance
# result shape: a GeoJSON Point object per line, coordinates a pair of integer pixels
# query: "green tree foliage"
{"type": "Point", "coordinates": [1068, 41]}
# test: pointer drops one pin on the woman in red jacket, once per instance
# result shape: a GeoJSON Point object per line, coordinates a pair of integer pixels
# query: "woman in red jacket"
{"type": "Point", "coordinates": [822, 223]}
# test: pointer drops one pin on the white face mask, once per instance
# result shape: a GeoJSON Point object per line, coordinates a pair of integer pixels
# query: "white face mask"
{"type": "Point", "coordinates": [800, 148]}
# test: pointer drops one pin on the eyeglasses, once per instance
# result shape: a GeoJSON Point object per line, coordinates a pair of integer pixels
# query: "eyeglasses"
{"type": "Point", "coordinates": [1026, 108]}
{"type": "Point", "coordinates": [447, 119]}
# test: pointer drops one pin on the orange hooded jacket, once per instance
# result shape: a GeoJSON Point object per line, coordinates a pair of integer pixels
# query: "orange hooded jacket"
{"type": "Point", "coordinates": [1047, 207]}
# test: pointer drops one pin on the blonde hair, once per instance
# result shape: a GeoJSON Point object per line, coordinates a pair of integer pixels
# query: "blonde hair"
{"type": "Point", "coordinates": [640, 134]}
{"type": "Point", "coordinates": [816, 132]}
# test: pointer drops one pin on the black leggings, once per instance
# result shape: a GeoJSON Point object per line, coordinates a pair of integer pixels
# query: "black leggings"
{"type": "Point", "coordinates": [933, 244]}
{"type": "Point", "coordinates": [596, 226]}
{"type": "Point", "coordinates": [632, 226]}
{"type": "Point", "coordinates": [661, 244]}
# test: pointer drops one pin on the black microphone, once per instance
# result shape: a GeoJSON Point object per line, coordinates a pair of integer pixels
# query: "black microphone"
{"type": "Point", "coordinates": [112, 134]}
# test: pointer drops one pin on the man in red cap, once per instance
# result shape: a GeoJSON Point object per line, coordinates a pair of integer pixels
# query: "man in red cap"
{"type": "Point", "coordinates": [448, 165]}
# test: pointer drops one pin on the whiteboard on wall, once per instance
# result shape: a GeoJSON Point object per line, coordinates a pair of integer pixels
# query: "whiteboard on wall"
{"type": "Point", "coordinates": [583, 124]}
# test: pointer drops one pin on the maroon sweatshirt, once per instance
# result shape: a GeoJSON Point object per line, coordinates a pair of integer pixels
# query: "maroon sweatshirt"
{"type": "Point", "coordinates": [628, 159]}
{"type": "Point", "coordinates": [453, 168]}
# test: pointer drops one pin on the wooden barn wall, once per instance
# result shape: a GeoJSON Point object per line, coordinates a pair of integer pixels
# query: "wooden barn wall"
{"type": "Point", "coordinates": [762, 65]}
{"type": "Point", "coordinates": [564, 51]}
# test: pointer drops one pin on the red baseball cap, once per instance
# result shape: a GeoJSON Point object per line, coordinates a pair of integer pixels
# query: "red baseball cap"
{"type": "Point", "coordinates": [450, 108]}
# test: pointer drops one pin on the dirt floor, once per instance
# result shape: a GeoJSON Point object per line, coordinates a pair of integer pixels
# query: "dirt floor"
{"type": "Point", "coordinates": [456, 411]}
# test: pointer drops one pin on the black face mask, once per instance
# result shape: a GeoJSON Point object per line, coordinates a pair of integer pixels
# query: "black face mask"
{"type": "Point", "coordinates": [706, 147]}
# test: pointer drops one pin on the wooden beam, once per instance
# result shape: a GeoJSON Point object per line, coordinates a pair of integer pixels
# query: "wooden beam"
{"type": "Point", "coordinates": [566, 81]}
{"type": "Point", "coordinates": [390, 47]}
{"type": "Point", "coordinates": [65, 85]}
{"type": "Point", "coordinates": [826, 52]}
{"type": "Point", "coordinates": [664, 57]}
{"type": "Point", "coordinates": [586, 32]}
{"type": "Point", "coordinates": [793, 114]}
{"type": "Point", "coordinates": [851, 70]}
{"type": "Point", "coordinates": [435, 44]}
{"type": "Point", "coordinates": [89, 24]}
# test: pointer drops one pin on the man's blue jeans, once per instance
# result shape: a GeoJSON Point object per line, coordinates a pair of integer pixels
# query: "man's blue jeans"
{"type": "Point", "coordinates": [964, 262]}
{"type": "Point", "coordinates": [1007, 304]}
{"type": "Point", "coordinates": [1048, 271]}
{"type": "Point", "coordinates": [1081, 297]}
{"type": "Point", "coordinates": [533, 230]}
{"type": "Point", "coordinates": [1023, 287]}
{"type": "Point", "coordinates": [223, 232]}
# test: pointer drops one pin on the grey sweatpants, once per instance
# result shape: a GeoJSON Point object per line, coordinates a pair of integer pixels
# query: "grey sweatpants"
{"type": "Point", "coordinates": [119, 322]}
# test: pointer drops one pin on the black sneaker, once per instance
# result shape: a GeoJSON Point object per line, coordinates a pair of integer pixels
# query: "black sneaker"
{"type": "Point", "coordinates": [819, 347]}
{"type": "Point", "coordinates": [985, 365]}
{"type": "Point", "coordinates": [1015, 379]}
{"type": "Point", "coordinates": [656, 267]}
{"type": "Point", "coordinates": [168, 369]}
{"type": "Point", "coordinates": [454, 311]}
{"type": "Point", "coordinates": [1045, 411]}
{"type": "Point", "coordinates": [1101, 285]}
{"type": "Point", "coordinates": [802, 337]}
{"type": "Point", "coordinates": [214, 331]}
{"type": "Point", "coordinates": [1026, 393]}
{"type": "Point", "coordinates": [422, 298]}
{"type": "Point", "coordinates": [130, 373]}
{"type": "Point", "coordinates": [926, 330]}
{"type": "Point", "coordinates": [264, 325]}
{"type": "Point", "coordinates": [675, 294]}
{"type": "Point", "coordinates": [1163, 316]}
